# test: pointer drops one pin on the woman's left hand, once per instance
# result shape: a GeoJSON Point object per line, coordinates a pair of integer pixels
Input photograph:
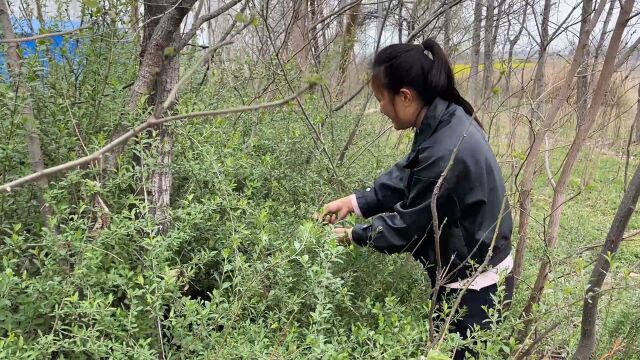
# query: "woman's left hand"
{"type": "Point", "coordinates": [344, 235]}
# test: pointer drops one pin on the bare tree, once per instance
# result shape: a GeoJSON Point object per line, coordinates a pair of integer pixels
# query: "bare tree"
{"type": "Point", "coordinates": [584, 74]}
{"type": "Point", "coordinates": [529, 166]}
{"type": "Point", "coordinates": [537, 106]}
{"type": "Point", "coordinates": [26, 115]}
{"type": "Point", "coordinates": [159, 32]}
{"type": "Point", "coordinates": [348, 42]}
{"type": "Point", "coordinates": [475, 51]}
{"type": "Point", "coordinates": [299, 32]}
{"type": "Point", "coordinates": [400, 20]}
{"type": "Point", "coordinates": [512, 45]}
{"type": "Point", "coordinates": [312, 30]}
{"type": "Point", "coordinates": [40, 12]}
{"type": "Point", "coordinates": [446, 25]}
{"type": "Point", "coordinates": [161, 177]}
{"type": "Point", "coordinates": [557, 205]}
{"type": "Point", "coordinates": [487, 73]}
{"type": "Point", "coordinates": [601, 268]}
{"type": "Point", "coordinates": [636, 121]}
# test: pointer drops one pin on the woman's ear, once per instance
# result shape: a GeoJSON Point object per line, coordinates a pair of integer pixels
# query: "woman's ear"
{"type": "Point", "coordinates": [406, 96]}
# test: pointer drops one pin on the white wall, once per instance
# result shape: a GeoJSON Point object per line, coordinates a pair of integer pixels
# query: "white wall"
{"type": "Point", "coordinates": [66, 9]}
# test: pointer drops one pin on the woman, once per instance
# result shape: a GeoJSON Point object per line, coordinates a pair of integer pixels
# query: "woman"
{"type": "Point", "coordinates": [415, 87]}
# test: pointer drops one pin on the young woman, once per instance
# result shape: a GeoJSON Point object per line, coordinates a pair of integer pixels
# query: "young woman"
{"type": "Point", "coordinates": [415, 87]}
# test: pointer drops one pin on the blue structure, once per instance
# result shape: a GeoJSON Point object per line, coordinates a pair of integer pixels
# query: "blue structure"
{"type": "Point", "coordinates": [57, 46]}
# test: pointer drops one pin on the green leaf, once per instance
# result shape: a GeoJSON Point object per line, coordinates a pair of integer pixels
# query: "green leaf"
{"type": "Point", "coordinates": [43, 42]}
{"type": "Point", "coordinates": [437, 355]}
{"type": "Point", "coordinates": [315, 79]}
{"type": "Point", "coordinates": [241, 18]}
{"type": "Point", "coordinates": [92, 4]}
{"type": "Point", "coordinates": [169, 51]}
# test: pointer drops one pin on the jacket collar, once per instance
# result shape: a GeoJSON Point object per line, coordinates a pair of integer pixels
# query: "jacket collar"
{"type": "Point", "coordinates": [430, 121]}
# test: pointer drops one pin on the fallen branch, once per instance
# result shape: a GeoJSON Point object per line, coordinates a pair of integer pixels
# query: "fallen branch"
{"type": "Point", "coordinates": [150, 122]}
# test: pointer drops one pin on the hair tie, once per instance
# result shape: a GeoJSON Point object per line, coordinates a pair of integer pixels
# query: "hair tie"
{"type": "Point", "coordinates": [426, 52]}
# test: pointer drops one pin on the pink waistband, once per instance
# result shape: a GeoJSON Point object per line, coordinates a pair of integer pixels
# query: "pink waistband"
{"type": "Point", "coordinates": [486, 278]}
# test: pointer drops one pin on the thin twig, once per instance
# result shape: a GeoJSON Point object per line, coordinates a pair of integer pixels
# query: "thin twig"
{"type": "Point", "coordinates": [547, 164]}
{"type": "Point", "coordinates": [320, 145]}
{"type": "Point", "coordinates": [437, 230]}
{"type": "Point", "coordinates": [174, 92]}
{"type": "Point", "coordinates": [536, 341]}
{"type": "Point", "coordinates": [162, 355]}
{"type": "Point", "coordinates": [480, 269]}
{"type": "Point", "coordinates": [353, 96]}
{"type": "Point", "coordinates": [435, 16]}
{"type": "Point", "coordinates": [44, 36]}
{"type": "Point", "coordinates": [201, 20]}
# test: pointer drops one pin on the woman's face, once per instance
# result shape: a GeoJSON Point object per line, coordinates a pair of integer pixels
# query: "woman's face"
{"type": "Point", "coordinates": [402, 108]}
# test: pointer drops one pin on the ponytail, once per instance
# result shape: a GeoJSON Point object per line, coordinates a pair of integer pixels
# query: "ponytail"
{"type": "Point", "coordinates": [425, 68]}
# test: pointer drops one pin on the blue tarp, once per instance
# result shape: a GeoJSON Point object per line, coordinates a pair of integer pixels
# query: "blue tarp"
{"type": "Point", "coordinates": [55, 46]}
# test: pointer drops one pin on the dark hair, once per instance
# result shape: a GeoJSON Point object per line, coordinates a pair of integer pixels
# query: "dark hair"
{"type": "Point", "coordinates": [407, 65]}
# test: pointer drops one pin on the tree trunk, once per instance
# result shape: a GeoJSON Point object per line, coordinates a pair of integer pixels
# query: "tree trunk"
{"type": "Point", "coordinates": [538, 87]}
{"type": "Point", "coordinates": [513, 122]}
{"type": "Point", "coordinates": [475, 51]}
{"type": "Point", "coordinates": [313, 31]}
{"type": "Point", "coordinates": [152, 15]}
{"type": "Point", "coordinates": [636, 121]}
{"type": "Point", "coordinates": [135, 19]}
{"type": "Point", "coordinates": [323, 29]}
{"type": "Point", "coordinates": [559, 195]}
{"type": "Point", "coordinates": [627, 206]}
{"type": "Point", "coordinates": [446, 25]}
{"type": "Point", "coordinates": [30, 122]}
{"type": "Point", "coordinates": [526, 184]}
{"type": "Point", "coordinates": [400, 20]}
{"type": "Point", "coordinates": [380, 20]}
{"type": "Point", "coordinates": [40, 13]}
{"type": "Point", "coordinates": [512, 45]}
{"type": "Point", "coordinates": [299, 32]}
{"type": "Point", "coordinates": [161, 176]}
{"type": "Point", "coordinates": [348, 43]}
{"type": "Point", "coordinates": [487, 72]}
{"type": "Point", "coordinates": [603, 37]}
{"type": "Point", "coordinates": [414, 14]}
{"type": "Point", "coordinates": [582, 89]}
{"type": "Point", "coordinates": [157, 36]}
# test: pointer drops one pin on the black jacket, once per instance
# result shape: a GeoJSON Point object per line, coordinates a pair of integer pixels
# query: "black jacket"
{"type": "Point", "coordinates": [470, 204]}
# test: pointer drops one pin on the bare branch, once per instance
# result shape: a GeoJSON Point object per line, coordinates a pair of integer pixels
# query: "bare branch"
{"type": "Point", "coordinates": [97, 155]}
{"type": "Point", "coordinates": [201, 20]}
{"type": "Point", "coordinates": [434, 17]}
{"type": "Point", "coordinates": [627, 54]}
{"type": "Point", "coordinates": [174, 92]}
{"type": "Point", "coordinates": [350, 98]}
{"type": "Point", "coordinates": [45, 36]}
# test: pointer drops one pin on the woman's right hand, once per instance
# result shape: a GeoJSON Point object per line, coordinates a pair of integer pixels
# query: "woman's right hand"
{"type": "Point", "coordinates": [337, 210]}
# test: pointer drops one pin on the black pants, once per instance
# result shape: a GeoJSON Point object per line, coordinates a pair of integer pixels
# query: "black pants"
{"type": "Point", "coordinates": [473, 302]}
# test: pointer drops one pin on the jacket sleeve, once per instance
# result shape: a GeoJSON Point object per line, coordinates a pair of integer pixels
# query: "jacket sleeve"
{"type": "Point", "coordinates": [396, 232]}
{"type": "Point", "coordinates": [387, 191]}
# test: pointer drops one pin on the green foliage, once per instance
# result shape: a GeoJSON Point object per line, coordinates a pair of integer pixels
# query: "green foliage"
{"type": "Point", "coordinates": [244, 271]}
